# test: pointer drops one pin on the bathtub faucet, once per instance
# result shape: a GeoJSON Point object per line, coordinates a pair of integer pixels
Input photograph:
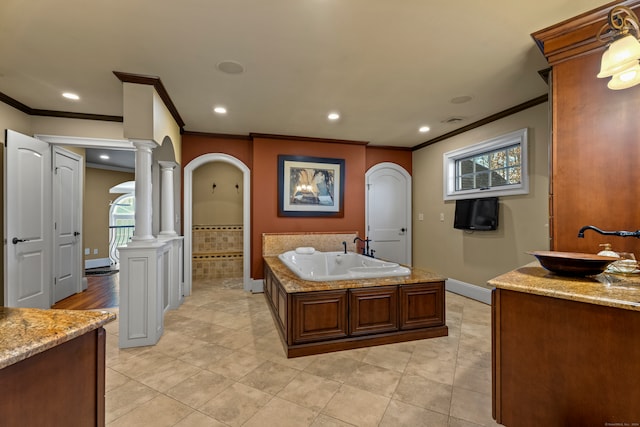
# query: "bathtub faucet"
{"type": "Point", "coordinates": [609, 233]}
{"type": "Point", "coordinates": [365, 247]}
{"type": "Point", "coordinates": [345, 247]}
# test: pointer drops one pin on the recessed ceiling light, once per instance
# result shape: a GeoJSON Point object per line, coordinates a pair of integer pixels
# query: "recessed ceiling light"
{"type": "Point", "coordinates": [104, 157]}
{"type": "Point", "coordinates": [70, 95]}
{"type": "Point", "coordinates": [333, 116]}
{"type": "Point", "coordinates": [424, 129]}
{"type": "Point", "coordinates": [220, 110]}
{"type": "Point", "coordinates": [230, 67]}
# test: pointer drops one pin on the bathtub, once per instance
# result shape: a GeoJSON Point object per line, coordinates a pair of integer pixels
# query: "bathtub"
{"type": "Point", "coordinates": [328, 266]}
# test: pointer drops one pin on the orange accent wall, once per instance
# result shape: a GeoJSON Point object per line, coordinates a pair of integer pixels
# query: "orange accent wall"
{"type": "Point", "coordinates": [260, 154]}
{"type": "Point", "coordinates": [264, 198]}
{"type": "Point", "coordinates": [399, 156]}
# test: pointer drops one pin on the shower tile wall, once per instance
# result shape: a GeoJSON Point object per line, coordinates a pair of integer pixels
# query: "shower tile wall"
{"type": "Point", "coordinates": [217, 251]}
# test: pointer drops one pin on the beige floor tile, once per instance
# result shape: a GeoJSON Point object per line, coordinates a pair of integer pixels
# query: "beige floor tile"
{"type": "Point", "coordinates": [281, 413]}
{"type": "Point", "coordinates": [160, 411]}
{"type": "Point", "coordinates": [310, 391]}
{"type": "Point", "coordinates": [195, 391]}
{"type": "Point", "coordinates": [168, 375]}
{"type": "Point", "coordinates": [269, 377]}
{"type": "Point", "coordinates": [198, 419]}
{"type": "Point", "coordinates": [375, 379]}
{"type": "Point", "coordinates": [389, 357]}
{"type": "Point", "coordinates": [355, 406]}
{"type": "Point", "coordinates": [236, 404]}
{"type": "Point", "coordinates": [205, 354]}
{"type": "Point", "coordinates": [333, 367]}
{"type": "Point", "coordinates": [427, 394]}
{"type": "Point", "coordinates": [143, 365]}
{"type": "Point", "coordinates": [222, 334]}
{"type": "Point", "coordinates": [472, 406]}
{"type": "Point", "coordinates": [126, 398]}
{"type": "Point", "coordinates": [327, 421]}
{"type": "Point", "coordinates": [236, 365]}
{"type": "Point", "coordinates": [402, 414]}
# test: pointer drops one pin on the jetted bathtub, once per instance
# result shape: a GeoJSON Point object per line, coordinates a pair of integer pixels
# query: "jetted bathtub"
{"type": "Point", "coordinates": [327, 266]}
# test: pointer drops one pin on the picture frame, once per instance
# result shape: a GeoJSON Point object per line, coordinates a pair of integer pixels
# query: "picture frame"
{"type": "Point", "coordinates": [310, 186]}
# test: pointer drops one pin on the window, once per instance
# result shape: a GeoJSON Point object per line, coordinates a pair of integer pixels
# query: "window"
{"type": "Point", "coordinates": [497, 167]}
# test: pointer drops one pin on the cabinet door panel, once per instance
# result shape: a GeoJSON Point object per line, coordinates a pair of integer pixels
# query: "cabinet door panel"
{"type": "Point", "coordinates": [373, 310]}
{"type": "Point", "coordinates": [422, 305]}
{"type": "Point", "coordinates": [319, 316]}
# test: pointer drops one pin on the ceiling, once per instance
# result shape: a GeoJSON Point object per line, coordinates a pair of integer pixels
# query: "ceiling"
{"type": "Point", "coordinates": [388, 67]}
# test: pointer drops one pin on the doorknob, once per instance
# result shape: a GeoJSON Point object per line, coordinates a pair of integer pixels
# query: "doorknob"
{"type": "Point", "coordinates": [403, 229]}
{"type": "Point", "coordinates": [15, 240]}
{"type": "Point", "coordinates": [76, 233]}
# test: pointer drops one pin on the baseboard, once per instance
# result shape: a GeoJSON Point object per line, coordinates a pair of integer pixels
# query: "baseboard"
{"type": "Point", "coordinates": [98, 262]}
{"type": "Point", "coordinates": [257, 286]}
{"type": "Point", "coordinates": [468, 290]}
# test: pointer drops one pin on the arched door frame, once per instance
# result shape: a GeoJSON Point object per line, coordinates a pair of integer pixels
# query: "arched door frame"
{"type": "Point", "coordinates": [408, 207]}
{"type": "Point", "coordinates": [188, 215]}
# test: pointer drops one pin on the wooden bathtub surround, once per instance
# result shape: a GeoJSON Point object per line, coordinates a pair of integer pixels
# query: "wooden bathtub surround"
{"type": "Point", "coordinates": [565, 350]}
{"type": "Point", "coordinates": [320, 317]}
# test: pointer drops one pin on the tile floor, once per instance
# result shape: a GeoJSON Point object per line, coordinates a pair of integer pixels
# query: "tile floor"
{"type": "Point", "coordinates": [220, 363]}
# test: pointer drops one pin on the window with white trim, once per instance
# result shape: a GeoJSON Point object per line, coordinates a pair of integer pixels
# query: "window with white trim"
{"type": "Point", "coordinates": [497, 167]}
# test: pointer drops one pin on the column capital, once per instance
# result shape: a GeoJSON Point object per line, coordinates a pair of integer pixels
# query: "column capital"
{"type": "Point", "coordinates": [166, 164]}
{"type": "Point", "coordinates": [142, 144]}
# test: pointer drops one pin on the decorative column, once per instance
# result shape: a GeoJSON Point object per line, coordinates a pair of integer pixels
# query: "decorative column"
{"type": "Point", "coordinates": [143, 233]}
{"type": "Point", "coordinates": [167, 224]}
{"type": "Point", "coordinates": [174, 291]}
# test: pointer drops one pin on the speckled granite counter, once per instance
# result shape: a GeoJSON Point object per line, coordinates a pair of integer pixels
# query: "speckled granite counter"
{"type": "Point", "coordinates": [612, 290]}
{"type": "Point", "coordinates": [292, 283]}
{"type": "Point", "coordinates": [25, 332]}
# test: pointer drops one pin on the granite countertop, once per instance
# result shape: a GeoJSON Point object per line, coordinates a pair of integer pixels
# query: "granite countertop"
{"type": "Point", "coordinates": [613, 290]}
{"type": "Point", "coordinates": [292, 283]}
{"type": "Point", "coordinates": [25, 332]}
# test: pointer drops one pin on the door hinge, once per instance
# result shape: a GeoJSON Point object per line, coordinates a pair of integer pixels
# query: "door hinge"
{"type": "Point", "coordinates": [55, 281]}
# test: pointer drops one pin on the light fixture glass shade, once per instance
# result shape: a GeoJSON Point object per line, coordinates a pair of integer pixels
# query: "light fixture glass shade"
{"type": "Point", "coordinates": [620, 55]}
{"type": "Point", "coordinates": [625, 78]}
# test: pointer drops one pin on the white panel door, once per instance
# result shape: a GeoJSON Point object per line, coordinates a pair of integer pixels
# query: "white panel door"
{"type": "Point", "coordinates": [67, 216]}
{"type": "Point", "coordinates": [28, 221]}
{"type": "Point", "coordinates": [388, 213]}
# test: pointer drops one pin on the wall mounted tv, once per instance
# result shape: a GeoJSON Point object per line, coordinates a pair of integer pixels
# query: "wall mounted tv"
{"type": "Point", "coordinates": [476, 214]}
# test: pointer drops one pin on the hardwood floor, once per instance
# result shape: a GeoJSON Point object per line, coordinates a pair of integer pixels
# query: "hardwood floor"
{"type": "Point", "coordinates": [102, 292]}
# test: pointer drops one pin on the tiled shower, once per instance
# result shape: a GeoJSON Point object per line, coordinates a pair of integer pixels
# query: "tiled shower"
{"type": "Point", "coordinates": [217, 251]}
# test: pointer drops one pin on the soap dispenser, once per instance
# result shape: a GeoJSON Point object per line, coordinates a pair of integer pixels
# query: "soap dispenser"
{"type": "Point", "coordinates": [607, 251]}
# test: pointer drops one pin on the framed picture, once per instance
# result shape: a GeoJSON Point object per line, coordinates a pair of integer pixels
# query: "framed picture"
{"type": "Point", "coordinates": [310, 186]}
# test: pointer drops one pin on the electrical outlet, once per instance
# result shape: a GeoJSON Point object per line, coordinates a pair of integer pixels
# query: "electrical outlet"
{"type": "Point", "coordinates": [95, 252]}
{"type": "Point", "coordinates": [87, 251]}
{"type": "Point", "coordinates": [420, 216]}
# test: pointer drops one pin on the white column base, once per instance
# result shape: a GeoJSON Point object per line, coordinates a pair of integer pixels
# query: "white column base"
{"type": "Point", "coordinates": [143, 283]}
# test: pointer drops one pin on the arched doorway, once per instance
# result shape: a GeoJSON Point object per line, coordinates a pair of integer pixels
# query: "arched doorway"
{"type": "Point", "coordinates": [188, 215]}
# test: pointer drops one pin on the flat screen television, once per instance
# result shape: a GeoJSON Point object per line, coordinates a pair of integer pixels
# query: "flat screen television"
{"type": "Point", "coordinates": [476, 214]}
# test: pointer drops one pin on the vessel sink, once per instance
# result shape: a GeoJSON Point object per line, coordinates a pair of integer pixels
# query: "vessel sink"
{"type": "Point", "coordinates": [573, 263]}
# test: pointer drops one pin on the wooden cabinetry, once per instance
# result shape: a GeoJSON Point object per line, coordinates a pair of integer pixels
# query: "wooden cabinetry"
{"type": "Point", "coordinates": [559, 362]}
{"type": "Point", "coordinates": [594, 153]}
{"type": "Point", "coordinates": [373, 310]}
{"type": "Point", "coordinates": [62, 386]}
{"type": "Point", "coordinates": [340, 319]}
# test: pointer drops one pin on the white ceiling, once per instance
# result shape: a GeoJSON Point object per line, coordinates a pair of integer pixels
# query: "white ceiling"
{"type": "Point", "coordinates": [388, 66]}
